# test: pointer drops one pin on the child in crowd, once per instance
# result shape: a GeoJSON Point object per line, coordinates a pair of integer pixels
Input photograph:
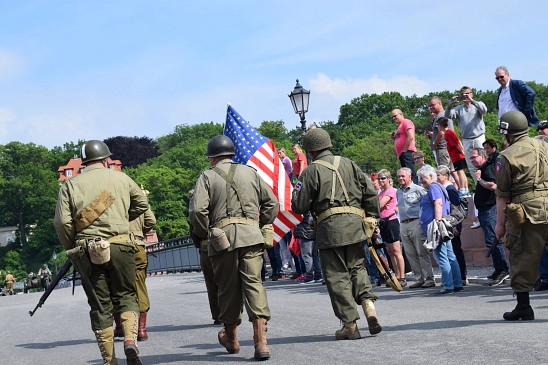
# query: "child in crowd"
{"type": "Point", "coordinates": [456, 153]}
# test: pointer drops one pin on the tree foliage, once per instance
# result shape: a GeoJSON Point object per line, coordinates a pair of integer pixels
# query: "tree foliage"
{"type": "Point", "coordinates": [132, 151]}
{"type": "Point", "coordinates": [168, 167]}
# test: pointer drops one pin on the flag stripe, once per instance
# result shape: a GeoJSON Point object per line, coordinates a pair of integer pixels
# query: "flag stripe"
{"type": "Point", "coordinates": [257, 151]}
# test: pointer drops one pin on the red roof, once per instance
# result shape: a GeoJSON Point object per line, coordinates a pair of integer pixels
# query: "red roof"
{"type": "Point", "coordinates": [75, 167]}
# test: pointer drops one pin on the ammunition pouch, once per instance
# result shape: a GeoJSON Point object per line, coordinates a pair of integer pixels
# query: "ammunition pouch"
{"type": "Point", "coordinates": [268, 234]}
{"type": "Point", "coordinates": [79, 259]}
{"type": "Point", "coordinates": [99, 250]}
{"type": "Point", "coordinates": [93, 211]}
{"type": "Point", "coordinates": [217, 238]}
{"type": "Point", "coordinates": [515, 214]}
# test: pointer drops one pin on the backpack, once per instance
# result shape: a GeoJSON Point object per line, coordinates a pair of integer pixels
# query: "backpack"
{"type": "Point", "coordinates": [458, 212]}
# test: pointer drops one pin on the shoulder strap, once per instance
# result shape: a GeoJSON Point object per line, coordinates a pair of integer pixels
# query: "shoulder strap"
{"type": "Point", "coordinates": [442, 190]}
{"type": "Point", "coordinates": [229, 178]}
{"type": "Point", "coordinates": [93, 211]}
{"type": "Point", "coordinates": [336, 174]}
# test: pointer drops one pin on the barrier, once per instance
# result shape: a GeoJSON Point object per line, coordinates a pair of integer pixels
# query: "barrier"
{"type": "Point", "coordinates": [171, 256]}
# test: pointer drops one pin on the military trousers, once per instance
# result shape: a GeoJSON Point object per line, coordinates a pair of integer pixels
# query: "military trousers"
{"type": "Point", "coordinates": [346, 279]}
{"type": "Point", "coordinates": [238, 275]}
{"type": "Point", "coordinates": [212, 288]}
{"type": "Point", "coordinates": [525, 245]}
{"type": "Point", "coordinates": [141, 264]}
{"type": "Point", "coordinates": [114, 283]}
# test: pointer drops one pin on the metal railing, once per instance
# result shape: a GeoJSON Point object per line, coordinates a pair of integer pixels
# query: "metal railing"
{"type": "Point", "coordinates": [174, 255]}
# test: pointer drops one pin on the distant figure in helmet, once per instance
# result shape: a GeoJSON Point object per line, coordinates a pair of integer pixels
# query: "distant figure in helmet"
{"type": "Point", "coordinates": [522, 193]}
{"type": "Point", "coordinates": [9, 282]}
{"type": "Point", "coordinates": [113, 199]}
{"type": "Point", "coordinates": [337, 192]}
{"type": "Point", "coordinates": [229, 206]}
{"type": "Point", "coordinates": [43, 271]}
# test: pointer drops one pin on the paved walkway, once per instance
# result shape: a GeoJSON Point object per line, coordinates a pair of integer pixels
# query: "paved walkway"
{"type": "Point", "coordinates": [419, 328]}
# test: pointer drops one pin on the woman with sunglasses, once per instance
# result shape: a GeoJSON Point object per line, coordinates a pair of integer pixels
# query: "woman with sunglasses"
{"type": "Point", "coordinates": [390, 227]}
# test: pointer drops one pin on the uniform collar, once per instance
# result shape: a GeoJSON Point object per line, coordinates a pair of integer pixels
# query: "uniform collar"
{"type": "Point", "coordinates": [94, 167]}
{"type": "Point", "coordinates": [323, 154]}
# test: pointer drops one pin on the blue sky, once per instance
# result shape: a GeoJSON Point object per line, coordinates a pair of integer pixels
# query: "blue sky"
{"type": "Point", "coordinates": [74, 70]}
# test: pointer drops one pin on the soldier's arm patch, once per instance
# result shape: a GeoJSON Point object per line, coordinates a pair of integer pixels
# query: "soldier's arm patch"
{"type": "Point", "coordinates": [499, 166]}
{"type": "Point", "coordinates": [298, 186]}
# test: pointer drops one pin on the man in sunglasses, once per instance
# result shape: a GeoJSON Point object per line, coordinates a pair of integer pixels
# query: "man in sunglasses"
{"type": "Point", "coordinates": [515, 95]}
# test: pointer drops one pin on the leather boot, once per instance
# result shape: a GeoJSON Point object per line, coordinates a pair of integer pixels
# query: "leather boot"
{"type": "Point", "coordinates": [142, 332]}
{"type": "Point", "coordinates": [522, 311]}
{"type": "Point", "coordinates": [129, 322]}
{"type": "Point", "coordinates": [349, 331]}
{"type": "Point", "coordinates": [371, 316]}
{"type": "Point", "coordinates": [228, 337]}
{"type": "Point", "coordinates": [259, 339]}
{"type": "Point", "coordinates": [118, 331]}
{"type": "Point", "coordinates": [105, 340]}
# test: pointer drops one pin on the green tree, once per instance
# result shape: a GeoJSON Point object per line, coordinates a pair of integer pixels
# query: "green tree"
{"type": "Point", "coordinates": [186, 133]}
{"type": "Point", "coordinates": [28, 194]}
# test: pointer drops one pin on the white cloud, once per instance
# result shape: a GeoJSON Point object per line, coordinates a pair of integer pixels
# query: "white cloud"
{"type": "Point", "coordinates": [7, 117]}
{"type": "Point", "coordinates": [328, 94]}
{"type": "Point", "coordinates": [11, 64]}
{"type": "Point", "coordinates": [344, 90]}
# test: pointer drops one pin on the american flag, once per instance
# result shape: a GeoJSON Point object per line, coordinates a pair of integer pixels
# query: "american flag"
{"type": "Point", "coordinates": [253, 149]}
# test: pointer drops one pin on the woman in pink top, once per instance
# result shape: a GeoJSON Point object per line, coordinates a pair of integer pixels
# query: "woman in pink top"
{"type": "Point", "coordinates": [390, 231]}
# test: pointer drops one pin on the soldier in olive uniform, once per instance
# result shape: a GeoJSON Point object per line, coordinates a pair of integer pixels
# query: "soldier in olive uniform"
{"type": "Point", "coordinates": [522, 182]}
{"type": "Point", "coordinates": [9, 282]}
{"type": "Point", "coordinates": [337, 192]}
{"type": "Point", "coordinates": [119, 200]}
{"type": "Point", "coordinates": [207, 271]}
{"type": "Point", "coordinates": [231, 202]}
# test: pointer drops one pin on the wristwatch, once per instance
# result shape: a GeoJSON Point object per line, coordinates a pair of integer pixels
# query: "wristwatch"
{"type": "Point", "coordinates": [479, 179]}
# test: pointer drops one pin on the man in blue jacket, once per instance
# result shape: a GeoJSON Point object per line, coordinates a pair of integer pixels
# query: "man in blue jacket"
{"type": "Point", "coordinates": [515, 95]}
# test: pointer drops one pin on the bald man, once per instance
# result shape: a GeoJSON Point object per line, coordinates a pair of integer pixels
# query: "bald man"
{"type": "Point", "coordinates": [404, 141]}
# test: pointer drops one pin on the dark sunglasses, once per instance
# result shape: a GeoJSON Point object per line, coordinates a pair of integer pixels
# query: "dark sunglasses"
{"type": "Point", "coordinates": [499, 77]}
{"type": "Point", "coordinates": [383, 178]}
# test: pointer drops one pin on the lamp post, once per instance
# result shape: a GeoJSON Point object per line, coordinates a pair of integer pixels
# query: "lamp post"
{"type": "Point", "coordinates": [55, 261]}
{"type": "Point", "coordinates": [299, 98]}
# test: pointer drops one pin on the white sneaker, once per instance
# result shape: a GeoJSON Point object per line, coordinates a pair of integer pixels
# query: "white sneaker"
{"type": "Point", "coordinates": [475, 225]}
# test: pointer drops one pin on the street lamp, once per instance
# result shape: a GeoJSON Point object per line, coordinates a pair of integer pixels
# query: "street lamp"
{"type": "Point", "coordinates": [55, 261]}
{"type": "Point", "coordinates": [299, 98]}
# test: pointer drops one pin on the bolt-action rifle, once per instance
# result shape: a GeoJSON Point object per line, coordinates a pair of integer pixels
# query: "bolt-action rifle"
{"type": "Point", "coordinates": [85, 282]}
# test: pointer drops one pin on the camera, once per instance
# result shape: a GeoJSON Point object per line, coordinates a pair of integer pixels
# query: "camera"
{"type": "Point", "coordinates": [461, 98]}
{"type": "Point", "coordinates": [393, 134]}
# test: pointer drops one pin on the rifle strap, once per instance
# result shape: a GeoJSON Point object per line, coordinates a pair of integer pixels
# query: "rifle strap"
{"type": "Point", "coordinates": [93, 211]}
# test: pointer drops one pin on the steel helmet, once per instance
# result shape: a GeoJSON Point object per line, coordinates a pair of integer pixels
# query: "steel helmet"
{"type": "Point", "coordinates": [513, 123]}
{"type": "Point", "coordinates": [94, 150]}
{"type": "Point", "coordinates": [542, 125]}
{"type": "Point", "coordinates": [45, 266]}
{"type": "Point", "coordinates": [316, 139]}
{"type": "Point", "coordinates": [220, 146]}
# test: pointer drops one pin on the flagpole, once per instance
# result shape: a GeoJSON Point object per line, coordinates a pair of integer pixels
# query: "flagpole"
{"type": "Point", "coordinates": [227, 105]}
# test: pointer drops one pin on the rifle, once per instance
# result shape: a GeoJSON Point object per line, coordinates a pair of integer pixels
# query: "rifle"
{"type": "Point", "coordinates": [493, 246]}
{"type": "Point", "coordinates": [86, 283]}
{"type": "Point", "coordinates": [384, 270]}
{"type": "Point", "coordinates": [52, 285]}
